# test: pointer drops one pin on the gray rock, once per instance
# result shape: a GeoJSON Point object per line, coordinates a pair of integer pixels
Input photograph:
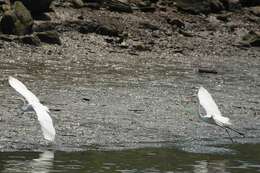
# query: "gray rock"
{"type": "Point", "coordinates": [36, 6]}
{"type": "Point", "coordinates": [17, 21]}
{"type": "Point", "coordinates": [51, 37]}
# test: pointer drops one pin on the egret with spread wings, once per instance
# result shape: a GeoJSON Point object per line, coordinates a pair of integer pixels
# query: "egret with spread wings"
{"type": "Point", "coordinates": [41, 110]}
{"type": "Point", "coordinates": [213, 115]}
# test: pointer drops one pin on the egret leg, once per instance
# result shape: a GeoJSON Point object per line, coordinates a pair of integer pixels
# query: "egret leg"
{"type": "Point", "coordinates": [27, 108]}
{"type": "Point", "coordinates": [227, 133]}
{"type": "Point", "coordinates": [229, 136]}
{"type": "Point", "coordinates": [199, 110]}
{"type": "Point", "coordinates": [240, 133]}
{"type": "Point", "coordinates": [24, 107]}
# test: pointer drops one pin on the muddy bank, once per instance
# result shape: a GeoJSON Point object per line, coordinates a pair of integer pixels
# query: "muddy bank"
{"type": "Point", "coordinates": [113, 92]}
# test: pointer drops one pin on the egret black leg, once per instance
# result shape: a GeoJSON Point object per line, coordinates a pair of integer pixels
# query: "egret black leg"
{"type": "Point", "coordinates": [227, 133]}
{"type": "Point", "coordinates": [199, 110]}
{"type": "Point", "coordinates": [240, 133]}
{"type": "Point", "coordinates": [229, 136]}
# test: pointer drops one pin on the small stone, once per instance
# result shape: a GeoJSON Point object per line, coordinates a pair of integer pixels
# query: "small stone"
{"type": "Point", "coordinates": [119, 6]}
{"type": "Point", "coordinates": [252, 38]}
{"type": "Point", "coordinates": [146, 6]}
{"type": "Point", "coordinates": [200, 6]}
{"type": "Point", "coordinates": [77, 3]}
{"type": "Point", "coordinates": [250, 2]}
{"type": "Point", "coordinates": [8, 38]}
{"type": "Point", "coordinates": [208, 70]}
{"type": "Point", "coordinates": [123, 45]}
{"type": "Point", "coordinates": [3, 2]}
{"type": "Point", "coordinates": [100, 28]}
{"type": "Point", "coordinates": [232, 4]}
{"type": "Point", "coordinates": [176, 22]}
{"type": "Point", "coordinates": [139, 46]}
{"type": "Point", "coordinates": [186, 33]}
{"type": "Point", "coordinates": [93, 5]}
{"type": "Point", "coordinates": [224, 17]}
{"type": "Point", "coordinates": [43, 26]}
{"type": "Point", "coordinates": [150, 26]}
{"type": "Point", "coordinates": [51, 37]}
{"type": "Point", "coordinates": [31, 39]}
{"type": "Point", "coordinates": [6, 7]}
{"type": "Point", "coordinates": [256, 11]}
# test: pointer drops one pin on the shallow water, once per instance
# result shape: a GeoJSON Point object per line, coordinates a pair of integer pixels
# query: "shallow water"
{"type": "Point", "coordinates": [243, 158]}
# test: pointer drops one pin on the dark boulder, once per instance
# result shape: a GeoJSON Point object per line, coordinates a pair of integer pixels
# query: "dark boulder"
{"type": "Point", "coordinates": [17, 20]}
{"type": "Point", "coordinates": [36, 6]}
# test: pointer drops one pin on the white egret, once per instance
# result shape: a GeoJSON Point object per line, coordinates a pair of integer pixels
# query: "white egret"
{"type": "Point", "coordinates": [41, 110]}
{"type": "Point", "coordinates": [213, 115]}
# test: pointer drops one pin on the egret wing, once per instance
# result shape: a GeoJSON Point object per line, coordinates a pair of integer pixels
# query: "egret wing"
{"type": "Point", "coordinates": [211, 107]}
{"type": "Point", "coordinates": [207, 102]}
{"type": "Point", "coordinates": [22, 89]}
{"type": "Point", "coordinates": [45, 121]}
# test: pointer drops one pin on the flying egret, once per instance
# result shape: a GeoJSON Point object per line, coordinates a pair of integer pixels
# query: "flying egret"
{"type": "Point", "coordinates": [213, 115]}
{"type": "Point", "coordinates": [41, 110]}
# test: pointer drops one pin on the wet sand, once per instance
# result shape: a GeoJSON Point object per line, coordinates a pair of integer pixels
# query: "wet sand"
{"type": "Point", "coordinates": [105, 96]}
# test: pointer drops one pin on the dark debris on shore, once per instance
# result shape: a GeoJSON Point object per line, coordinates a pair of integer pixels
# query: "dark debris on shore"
{"type": "Point", "coordinates": [34, 23]}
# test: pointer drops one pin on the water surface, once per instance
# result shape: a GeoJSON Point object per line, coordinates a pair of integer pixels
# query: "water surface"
{"type": "Point", "coordinates": [243, 158]}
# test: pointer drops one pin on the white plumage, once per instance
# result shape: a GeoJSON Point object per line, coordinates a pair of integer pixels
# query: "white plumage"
{"type": "Point", "coordinates": [213, 115]}
{"type": "Point", "coordinates": [41, 110]}
{"type": "Point", "coordinates": [211, 108]}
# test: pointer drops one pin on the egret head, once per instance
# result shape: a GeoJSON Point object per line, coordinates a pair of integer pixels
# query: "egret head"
{"type": "Point", "coordinates": [24, 106]}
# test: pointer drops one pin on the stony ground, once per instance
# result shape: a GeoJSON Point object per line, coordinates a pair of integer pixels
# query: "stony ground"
{"type": "Point", "coordinates": [137, 88]}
